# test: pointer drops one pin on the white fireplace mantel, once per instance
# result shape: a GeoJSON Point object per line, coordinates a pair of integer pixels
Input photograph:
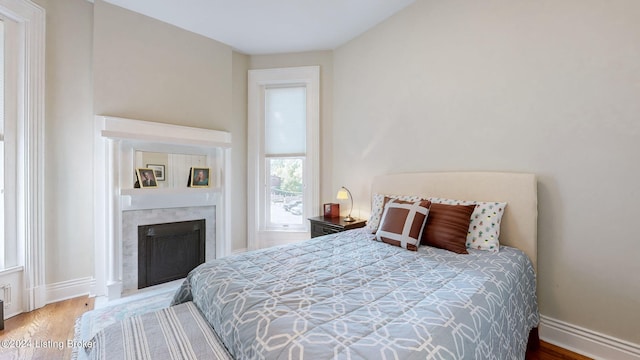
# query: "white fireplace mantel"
{"type": "Point", "coordinates": [144, 199]}
{"type": "Point", "coordinates": [116, 142]}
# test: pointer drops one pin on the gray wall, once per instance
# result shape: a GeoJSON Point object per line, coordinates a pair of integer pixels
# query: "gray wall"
{"type": "Point", "coordinates": [548, 87]}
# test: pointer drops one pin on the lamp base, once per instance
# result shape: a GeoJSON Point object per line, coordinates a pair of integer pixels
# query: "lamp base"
{"type": "Point", "coordinates": [349, 219]}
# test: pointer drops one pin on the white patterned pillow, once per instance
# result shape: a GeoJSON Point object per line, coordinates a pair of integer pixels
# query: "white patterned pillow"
{"type": "Point", "coordinates": [377, 206]}
{"type": "Point", "coordinates": [403, 222]}
{"type": "Point", "coordinates": [484, 229]}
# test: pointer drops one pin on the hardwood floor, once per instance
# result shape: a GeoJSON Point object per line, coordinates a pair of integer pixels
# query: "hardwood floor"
{"type": "Point", "coordinates": [551, 352]}
{"type": "Point", "coordinates": [43, 334]}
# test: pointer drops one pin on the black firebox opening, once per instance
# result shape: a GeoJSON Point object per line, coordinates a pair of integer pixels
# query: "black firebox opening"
{"type": "Point", "coordinates": [169, 251]}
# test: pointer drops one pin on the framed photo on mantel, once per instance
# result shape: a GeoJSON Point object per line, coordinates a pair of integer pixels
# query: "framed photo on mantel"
{"type": "Point", "coordinates": [158, 170]}
{"type": "Point", "coordinates": [146, 178]}
{"type": "Point", "coordinates": [199, 177]}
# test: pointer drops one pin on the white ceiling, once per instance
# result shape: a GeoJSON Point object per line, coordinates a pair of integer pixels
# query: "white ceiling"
{"type": "Point", "coordinates": [271, 26]}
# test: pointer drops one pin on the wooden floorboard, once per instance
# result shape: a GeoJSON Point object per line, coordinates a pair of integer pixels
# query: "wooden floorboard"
{"type": "Point", "coordinates": [43, 334]}
{"type": "Point", "coordinates": [548, 351]}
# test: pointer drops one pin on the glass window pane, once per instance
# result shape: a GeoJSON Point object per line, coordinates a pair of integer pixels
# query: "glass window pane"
{"type": "Point", "coordinates": [285, 199]}
{"type": "Point", "coordinates": [3, 245]}
{"type": "Point", "coordinates": [2, 78]}
{"type": "Point", "coordinates": [285, 120]}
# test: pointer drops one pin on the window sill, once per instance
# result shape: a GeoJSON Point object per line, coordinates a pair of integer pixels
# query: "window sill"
{"type": "Point", "coordinates": [11, 270]}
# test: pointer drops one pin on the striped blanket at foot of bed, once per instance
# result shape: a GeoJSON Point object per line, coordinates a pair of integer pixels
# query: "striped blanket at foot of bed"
{"type": "Point", "coordinates": [177, 332]}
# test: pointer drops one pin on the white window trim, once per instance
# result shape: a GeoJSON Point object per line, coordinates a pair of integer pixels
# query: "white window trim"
{"type": "Point", "coordinates": [30, 166]}
{"type": "Point", "coordinates": [257, 82]}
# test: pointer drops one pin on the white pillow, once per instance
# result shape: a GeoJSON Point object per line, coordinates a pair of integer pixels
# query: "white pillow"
{"type": "Point", "coordinates": [484, 228]}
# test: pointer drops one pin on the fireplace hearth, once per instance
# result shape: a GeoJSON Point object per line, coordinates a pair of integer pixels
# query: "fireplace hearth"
{"type": "Point", "coordinates": [169, 251]}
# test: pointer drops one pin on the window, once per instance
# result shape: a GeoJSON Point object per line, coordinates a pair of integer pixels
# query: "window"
{"type": "Point", "coordinates": [283, 154]}
{"type": "Point", "coordinates": [10, 49]}
{"type": "Point", "coordinates": [2, 135]}
{"type": "Point", "coordinates": [22, 164]}
{"type": "Point", "coordinates": [9, 80]}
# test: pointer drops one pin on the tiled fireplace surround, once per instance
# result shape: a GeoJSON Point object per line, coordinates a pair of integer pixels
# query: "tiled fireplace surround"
{"type": "Point", "coordinates": [120, 209]}
{"type": "Point", "coordinates": [132, 219]}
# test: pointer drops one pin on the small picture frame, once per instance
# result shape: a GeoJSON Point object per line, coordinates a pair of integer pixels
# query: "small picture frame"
{"type": "Point", "coordinates": [158, 170]}
{"type": "Point", "coordinates": [200, 177]}
{"type": "Point", "coordinates": [146, 178]}
{"type": "Point", "coordinates": [331, 210]}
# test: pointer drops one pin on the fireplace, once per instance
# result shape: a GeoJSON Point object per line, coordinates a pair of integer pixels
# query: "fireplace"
{"type": "Point", "coordinates": [133, 220]}
{"type": "Point", "coordinates": [120, 208]}
{"type": "Point", "coordinates": [169, 251]}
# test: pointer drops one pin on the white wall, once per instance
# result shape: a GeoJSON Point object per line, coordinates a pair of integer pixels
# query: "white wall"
{"type": "Point", "coordinates": [549, 87]}
{"type": "Point", "coordinates": [239, 153]}
{"type": "Point", "coordinates": [149, 70]}
{"type": "Point", "coordinates": [68, 142]}
{"type": "Point", "coordinates": [101, 59]}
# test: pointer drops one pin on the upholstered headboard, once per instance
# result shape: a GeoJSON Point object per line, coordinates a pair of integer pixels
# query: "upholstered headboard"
{"type": "Point", "coordinates": [518, 190]}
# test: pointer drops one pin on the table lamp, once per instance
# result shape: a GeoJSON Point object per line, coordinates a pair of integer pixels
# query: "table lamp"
{"type": "Point", "coordinates": [344, 194]}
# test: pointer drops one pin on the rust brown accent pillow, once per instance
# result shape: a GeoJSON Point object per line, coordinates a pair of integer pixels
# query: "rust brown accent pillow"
{"type": "Point", "coordinates": [402, 223]}
{"type": "Point", "coordinates": [447, 227]}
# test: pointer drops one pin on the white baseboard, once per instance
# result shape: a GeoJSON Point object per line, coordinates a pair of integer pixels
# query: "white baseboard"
{"type": "Point", "coordinates": [586, 342]}
{"type": "Point", "coordinates": [239, 251]}
{"type": "Point", "coordinates": [69, 289]}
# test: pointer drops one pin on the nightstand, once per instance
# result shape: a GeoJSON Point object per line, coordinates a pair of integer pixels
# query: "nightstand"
{"type": "Point", "coordinates": [321, 225]}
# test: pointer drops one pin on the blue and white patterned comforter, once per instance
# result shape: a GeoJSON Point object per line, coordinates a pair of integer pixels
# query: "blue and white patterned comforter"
{"type": "Point", "coordinates": [346, 296]}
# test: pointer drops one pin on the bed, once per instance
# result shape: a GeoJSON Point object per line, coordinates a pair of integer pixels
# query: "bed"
{"type": "Point", "coordinates": [349, 296]}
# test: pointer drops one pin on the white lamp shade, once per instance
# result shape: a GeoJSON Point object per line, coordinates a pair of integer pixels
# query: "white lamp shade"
{"type": "Point", "coordinates": [342, 195]}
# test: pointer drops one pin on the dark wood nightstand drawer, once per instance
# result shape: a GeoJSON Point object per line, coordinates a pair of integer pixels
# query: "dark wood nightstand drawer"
{"type": "Point", "coordinates": [325, 226]}
{"type": "Point", "coordinates": [319, 230]}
